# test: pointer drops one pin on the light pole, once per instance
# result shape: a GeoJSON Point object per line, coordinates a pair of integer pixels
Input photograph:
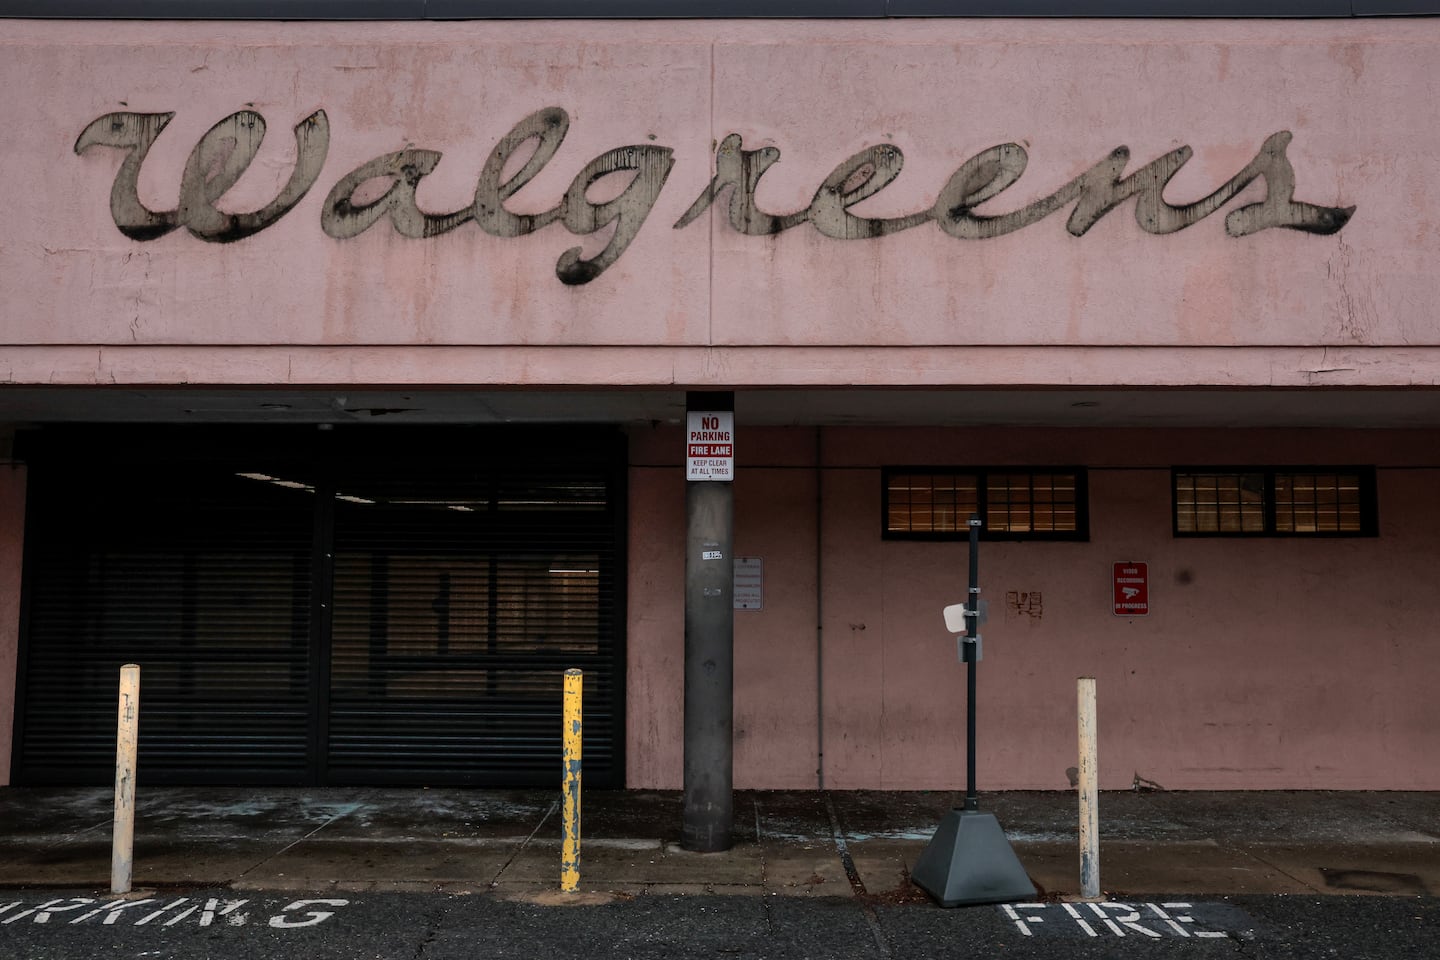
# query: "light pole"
{"type": "Point", "coordinates": [969, 860]}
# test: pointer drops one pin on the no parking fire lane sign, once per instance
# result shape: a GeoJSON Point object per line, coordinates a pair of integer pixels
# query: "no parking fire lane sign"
{"type": "Point", "coordinates": [710, 445]}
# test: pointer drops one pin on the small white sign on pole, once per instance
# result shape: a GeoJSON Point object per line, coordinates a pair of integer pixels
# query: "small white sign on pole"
{"type": "Point", "coordinates": [710, 445]}
{"type": "Point", "coordinates": [749, 583]}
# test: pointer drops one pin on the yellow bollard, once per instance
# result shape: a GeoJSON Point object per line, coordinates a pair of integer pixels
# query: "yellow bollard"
{"type": "Point", "coordinates": [570, 812]}
{"type": "Point", "coordinates": [122, 844]}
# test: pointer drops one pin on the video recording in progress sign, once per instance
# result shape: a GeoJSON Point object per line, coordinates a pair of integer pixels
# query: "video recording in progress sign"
{"type": "Point", "coordinates": [710, 445]}
{"type": "Point", "coordinates": [1132, 589]}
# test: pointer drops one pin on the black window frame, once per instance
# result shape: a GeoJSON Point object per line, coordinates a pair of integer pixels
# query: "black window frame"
{"type": "Point", "coordinates": [1369, 500]}
{"type": "Point", "coordinates": [1081, 533]}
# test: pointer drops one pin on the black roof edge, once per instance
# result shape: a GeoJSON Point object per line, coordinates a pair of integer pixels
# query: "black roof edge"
{"type": "Point", "coordinates": [401, 10]}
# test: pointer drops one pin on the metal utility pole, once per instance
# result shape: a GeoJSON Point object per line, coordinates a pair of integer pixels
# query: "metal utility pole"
{"type": "Point", "coordinates": [709, 811]}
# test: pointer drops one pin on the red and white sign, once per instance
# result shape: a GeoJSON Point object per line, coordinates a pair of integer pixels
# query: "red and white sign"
{"type": "Point", "coordinates": [1132, 589]}
{"type": "Point", "coordinates": [710, 445]}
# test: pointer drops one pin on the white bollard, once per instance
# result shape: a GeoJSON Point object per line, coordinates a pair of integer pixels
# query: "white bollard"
{"type": "Point", "coordinates": [122, 850]}
{"type": "Point", "coordinates": [1089, 792]}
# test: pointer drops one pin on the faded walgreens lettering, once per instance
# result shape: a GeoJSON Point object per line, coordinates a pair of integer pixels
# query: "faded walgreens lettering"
{"type": "Point", "coordinates": [178, 911]}
{"type": "Point", "coordinates": [217, 162]}
{"type": "Point", "coordinates": [226, 151]}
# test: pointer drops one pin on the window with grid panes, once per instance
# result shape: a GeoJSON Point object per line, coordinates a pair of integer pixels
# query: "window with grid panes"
{"type": "Point", "coordinates": [1274, 501]}
{"type": "Point", "coordinates": [933, 503]}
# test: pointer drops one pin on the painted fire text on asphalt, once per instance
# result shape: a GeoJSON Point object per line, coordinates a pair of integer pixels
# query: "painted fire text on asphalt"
{"type": "Point", "coordinates": [1148, 921]}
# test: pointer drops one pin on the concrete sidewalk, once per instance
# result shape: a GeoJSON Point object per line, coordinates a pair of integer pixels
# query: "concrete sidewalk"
{"type": "Point", "coordinates": [794, 843]}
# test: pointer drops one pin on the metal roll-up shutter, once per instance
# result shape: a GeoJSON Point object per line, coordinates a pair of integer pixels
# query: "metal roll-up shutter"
{"type": "Point", "coordinates": [199, 573]}
{"type": "Point", "coordinates": [461, 595]}
{"type": "Point", "coordinates": [322, 606]}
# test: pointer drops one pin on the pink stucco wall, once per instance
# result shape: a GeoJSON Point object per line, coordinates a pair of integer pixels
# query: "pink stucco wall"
{"type": "Point", "coordinates": [1276, 663]}
{"type": "Point", "coordinates": [706, 304]}
{"type": "Point", "coordinates": [1184, 701]}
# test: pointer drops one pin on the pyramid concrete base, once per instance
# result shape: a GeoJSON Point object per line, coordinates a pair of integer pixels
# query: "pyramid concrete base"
{"type": "Point", "coordinates": [970, 861]}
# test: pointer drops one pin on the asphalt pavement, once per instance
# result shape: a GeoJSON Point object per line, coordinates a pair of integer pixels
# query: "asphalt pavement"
{"type": "Point", "coordinates": [226, 925]}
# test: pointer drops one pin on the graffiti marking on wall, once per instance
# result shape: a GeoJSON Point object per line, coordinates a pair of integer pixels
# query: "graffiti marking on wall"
{"type": "Point", "coordinates": [1028, 603]}
{"type": "Point", "coordinates": [227, 149]}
